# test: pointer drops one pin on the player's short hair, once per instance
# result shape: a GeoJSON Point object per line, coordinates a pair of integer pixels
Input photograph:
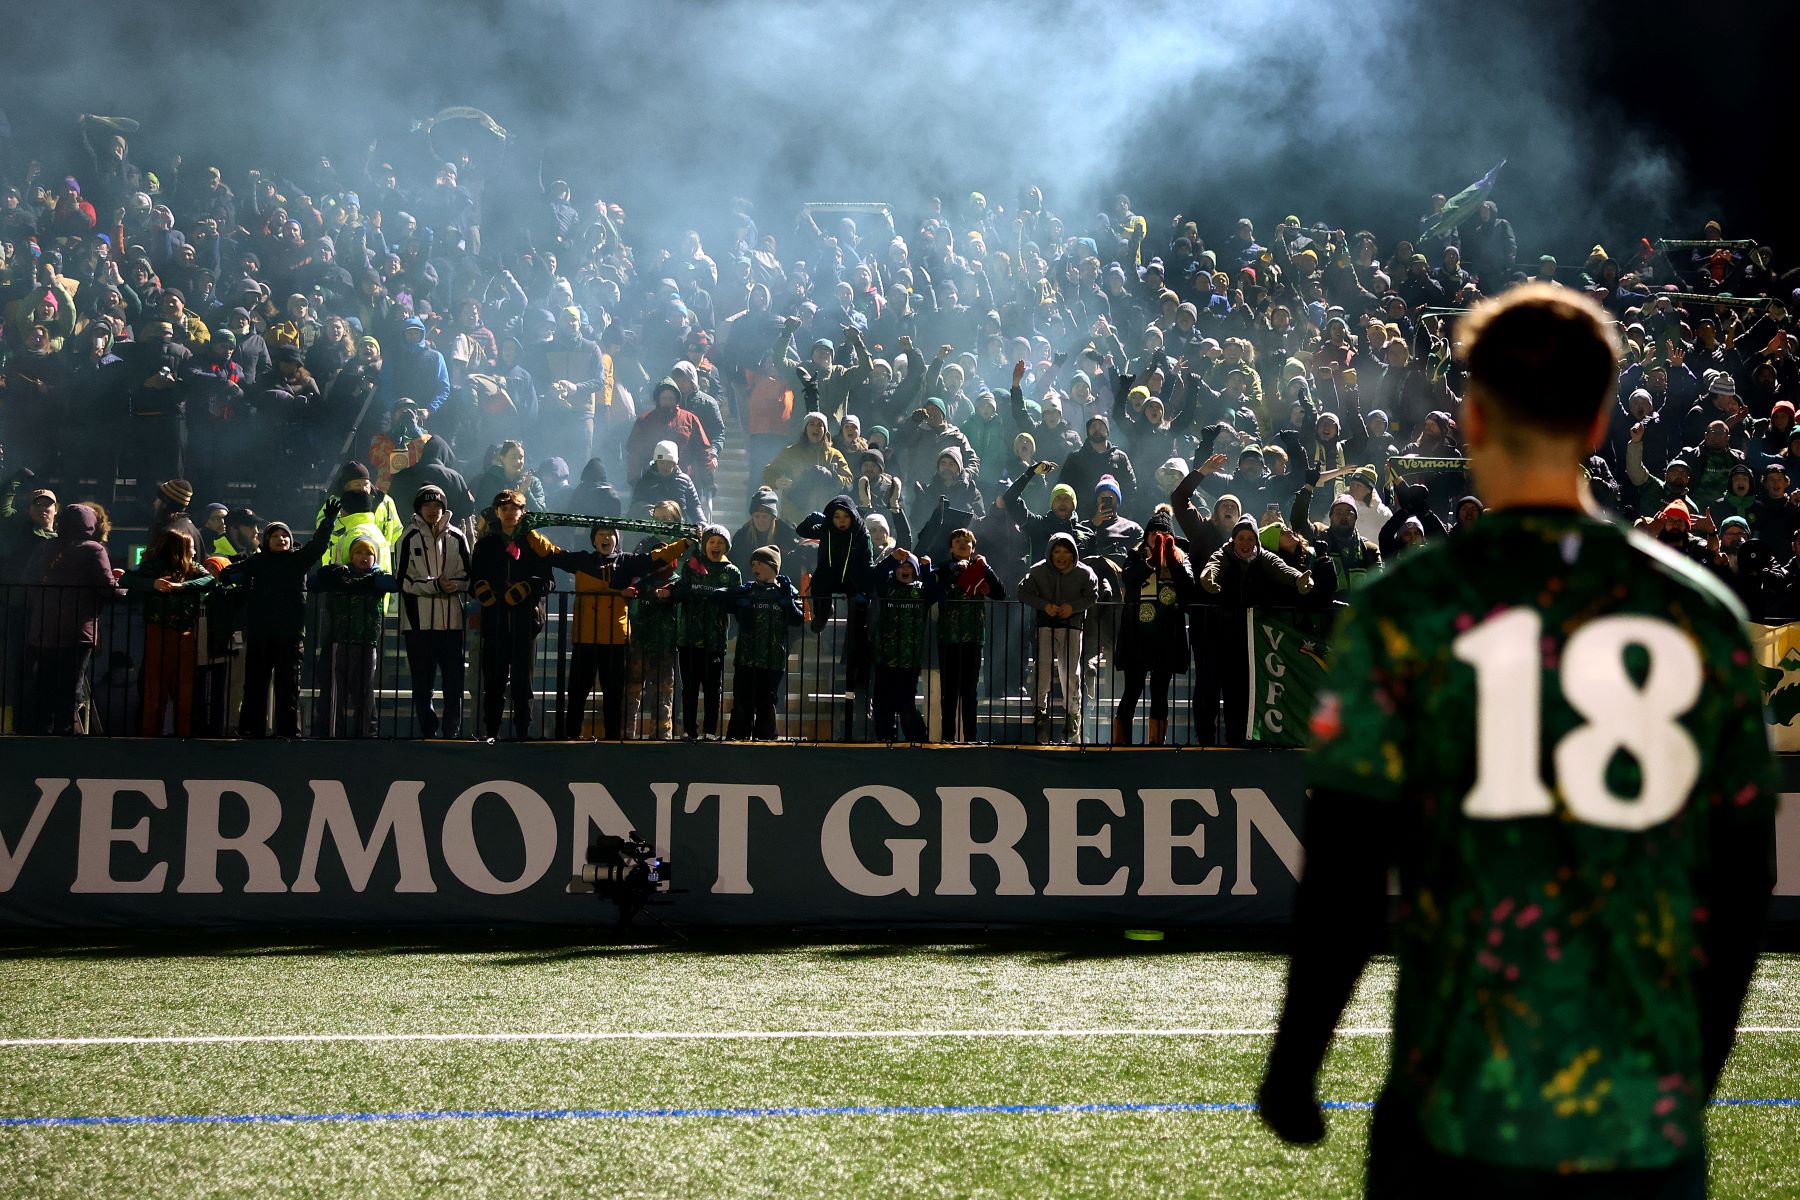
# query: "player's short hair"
{"type": "Point", "coordinates": [1542, 356]}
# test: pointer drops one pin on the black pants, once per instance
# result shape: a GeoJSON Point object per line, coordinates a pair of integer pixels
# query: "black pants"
{"type": "Point", "coordinates": [56, 673]}
{"type": "Point", "coordinates": [212, 710]}
{"type": "Point", "coordinates": [959, 670]}
{"type": "Point", "coordinates": [1161, 680]}
{"type": "Point", "coordinates": [270, 659]}
{"type": "Point", "coordinates": [895, 689]}
{"type": "Point", "coordinates": [507, 649]}
{"type": "Point", "coordinates": [430, 652]}
{"type": "Point", "coordinates": [753, 692]}
{"type": "Point", "coordinates": [1404, 1166]}
{"type": "Point", "coordinates": [701, 671]}
{"type": "Point", "coordinates": [592, 667]}
{"type": "Point", "coordinates": [353, 669]}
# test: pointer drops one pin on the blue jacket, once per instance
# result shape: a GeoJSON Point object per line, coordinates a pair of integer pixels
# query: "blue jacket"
{"type": "Point", "coordinates": [415, 373]}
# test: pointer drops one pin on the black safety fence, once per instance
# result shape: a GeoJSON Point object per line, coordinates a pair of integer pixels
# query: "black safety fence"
{"type": "Point", "coordinates": [102, 663]}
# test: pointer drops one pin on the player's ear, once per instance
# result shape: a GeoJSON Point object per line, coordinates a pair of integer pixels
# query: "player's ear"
{"type": "Point", "coordinates": [1473, 420]}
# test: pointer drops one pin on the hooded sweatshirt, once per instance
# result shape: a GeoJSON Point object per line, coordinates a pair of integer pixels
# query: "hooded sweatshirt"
{"type": "Point", "coordinates": [1045, 585]}
{"type": "Point", "coordinates": [846, 564]}
{"type": "Point", "coordinates": [594, 496]}
{"type": "Point", "coordinates": [436, 467]}
{"type": "Point", "coordinates": [415, 372]}
{"type": "Point", "coordinates": [77, 578]}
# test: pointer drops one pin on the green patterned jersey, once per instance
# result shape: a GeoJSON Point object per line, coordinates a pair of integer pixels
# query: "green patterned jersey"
{"type": "Point", "coordinates": [1556, 708]}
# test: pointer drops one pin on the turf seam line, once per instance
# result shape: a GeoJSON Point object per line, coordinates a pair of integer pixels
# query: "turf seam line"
{"type": "Point", "coordinates": [632, 1114]}
{"type": "Point", "coordinates": [677, 1035]}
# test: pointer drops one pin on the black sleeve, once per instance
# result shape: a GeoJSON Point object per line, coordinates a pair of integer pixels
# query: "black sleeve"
{"type": "Point", "coordinates": [1740, 876]}
{"type": "Point", "coordinates": [1340, 915]}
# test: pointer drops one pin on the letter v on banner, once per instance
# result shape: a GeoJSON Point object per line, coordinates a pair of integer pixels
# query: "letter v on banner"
{"type": "Point", "coordinates": [12, 858]}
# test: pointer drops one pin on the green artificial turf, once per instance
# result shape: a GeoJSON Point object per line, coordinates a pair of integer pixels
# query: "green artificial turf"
{"type": "Point", "coordinates": [533, 984]}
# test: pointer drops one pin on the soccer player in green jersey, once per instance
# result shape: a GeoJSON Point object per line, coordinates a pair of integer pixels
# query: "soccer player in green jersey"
{"type": "Point", "coordinates": [1554, 730]}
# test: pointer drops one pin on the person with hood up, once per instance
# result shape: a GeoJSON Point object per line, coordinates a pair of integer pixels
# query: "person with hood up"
{"type": "Point", "coordinates": [431, 564]}
{"type": "Point", "coordinates": [845, 567]}
{"type": "Point", "coordinates": [990, 437]}
{"type": "Point", "coordinates": [62, 618]}
{"type": "Point", "coordinates": [925, 434]}
{"type": "Point", "coordinates": [808, 467]}
{"type": "Point", "coordinates": [606, 582]}
{"type": "Point", "coordinates": [594, 496]}
{"type": "Point", "coordinates": [767, 609]}
{"type": "Point", "coordinates": [1062, 589]}
{"type": "Point", "coordinates": [274, 579]}
{"type": "Point", "coordinates": [1157, 585]}
{"type": "Point", "coordinates": [705, 629]}
{"type": "Point", "coordinates": [952, 484]}
{"type": "Point", "coordinates": [416, 371]}
{"type": "Point", "coordinates": [763, 527]}
{"type": "Point", "coordinates": [363, 511]}
{"type": "Point", "coordinates": [1084, 469]}
{"type": "Point", "coordinates": [905, 591]}
{"type": "Point", "coordinates": [663, 483]}
{"type": "Point", "coordinates": [436, 467]}
{"type": "Point", "coordinates": [1240, 575]}
{"type": "Point", "coordinates": [667, 421]}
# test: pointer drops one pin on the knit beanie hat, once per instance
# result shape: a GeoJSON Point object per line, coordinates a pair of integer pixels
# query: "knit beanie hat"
{"type": "Point", "coordinates": [1677, 511]}
{"type": "Point", "coordinates": [765, 500]}
{"type": "Point", "coordinates": [1109, 484]}
{"type": "Point", "coordinates": [430, 491]}
{"type": "Point", "coordinates": [1270, 536]}
{"type": "Point", "coordinates": [767, 554]}
{"type": "Point", "coordinates": [1740, 522]}
{"type": "Point", "coordinates": [715, 531]}
{"type": "Point", "coordinates": [177, 492]}
{"type": "Point", "coordinates": [666, 452]}
{"type": "Point", "coordinates": [873, 456]}
{"type": "Point", "coordinates": [1062, 491]}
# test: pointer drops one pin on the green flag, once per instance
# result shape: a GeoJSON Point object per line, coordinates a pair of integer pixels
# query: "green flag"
{"type": "Point", "coordinates": [1287, 669]}
{"type": "Point", "coordinates": [1461, 206]}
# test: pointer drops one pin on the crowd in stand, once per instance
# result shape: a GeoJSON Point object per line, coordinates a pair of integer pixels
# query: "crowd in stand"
{"type": "Point", "coordinates": [944, 414]}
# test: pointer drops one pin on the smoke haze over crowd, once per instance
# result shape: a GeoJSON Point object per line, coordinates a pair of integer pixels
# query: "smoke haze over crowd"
{"type": "Point", "coordinates": [1350, 115]}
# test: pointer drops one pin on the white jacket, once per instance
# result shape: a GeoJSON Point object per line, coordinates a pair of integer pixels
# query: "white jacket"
{"type": "Point", "coordinates": [434, 577]}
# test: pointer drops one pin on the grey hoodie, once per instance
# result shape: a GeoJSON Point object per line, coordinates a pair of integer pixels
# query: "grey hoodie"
{"type": "Point", "coordinates": [1045, 585]}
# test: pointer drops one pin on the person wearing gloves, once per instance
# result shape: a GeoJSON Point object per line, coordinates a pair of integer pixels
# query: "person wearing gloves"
{"type": "Point", "coordinates": [1240, 575]}
{"type": "Point", "coordinates": [663, 481]}
{"type": "Point", "coordinates": [845, 567]}
{"type": "Point", "coordinates": [1340, 543]}
{"type": "Point", "coordinates": [705, 628]}
{"type": "Point", "coordinates": [275, 622]}
{"type": "Point", "coordinates": [1062, 589]}
{"type": "Point", "coordinates": [432, 565]}
{"type": "Point", "coordinates": [767, 609]}
{"type": "Point", "coordinates": [1157, 585]}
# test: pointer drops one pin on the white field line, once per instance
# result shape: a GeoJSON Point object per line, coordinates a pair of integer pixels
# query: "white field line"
{"type": "Point", "coordinates": [726, 1035]}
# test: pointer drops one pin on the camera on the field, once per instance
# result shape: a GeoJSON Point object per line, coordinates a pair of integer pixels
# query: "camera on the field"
{"type": "Point", "coordinates": [624, 870]}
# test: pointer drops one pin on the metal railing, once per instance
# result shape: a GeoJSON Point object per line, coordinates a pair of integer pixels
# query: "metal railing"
{"type": "Point", "coordinates": [142, 674]}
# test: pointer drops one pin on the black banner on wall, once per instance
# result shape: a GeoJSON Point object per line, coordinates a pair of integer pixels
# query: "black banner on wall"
{"type": "Point", "coordinates": [122, 833]}
{"type": "Point", "coordinates": [97, 833]}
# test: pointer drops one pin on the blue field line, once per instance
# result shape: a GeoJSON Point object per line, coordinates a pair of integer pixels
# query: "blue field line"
{"type": "Point", "coordinates": [641, 1114]}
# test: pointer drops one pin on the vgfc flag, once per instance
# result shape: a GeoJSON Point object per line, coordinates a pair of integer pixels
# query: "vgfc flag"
{"type": "Point", "coordinates": [1777, 650]}
{"type": "Point", "coordinates": [1287, 671]}
{"type": "Point", "coordinates": [1461, 206]}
